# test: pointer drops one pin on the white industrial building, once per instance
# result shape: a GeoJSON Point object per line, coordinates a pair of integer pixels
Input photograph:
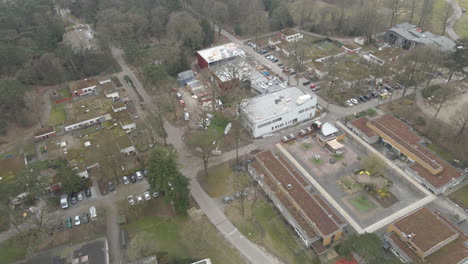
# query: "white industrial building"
{"type": "Point", "coordinates": [268, 113]}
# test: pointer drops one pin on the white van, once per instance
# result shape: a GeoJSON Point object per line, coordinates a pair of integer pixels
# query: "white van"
{"type": "Point", "coordinates": [92, 213]}
{"type": "Point", "coordinates": [64, 201]}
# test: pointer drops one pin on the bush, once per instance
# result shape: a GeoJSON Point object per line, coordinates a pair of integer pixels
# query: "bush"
{"type": "Point", "coordinates": [420, 121]}
{"type": "Point", "coordinates": [220, 121]}
{"type": "Point", "coordinates": [360, 114]}
{"type": "Point", "coordinates": [429, 91]}
{"type": "Point", "coordinates": [371, 111]}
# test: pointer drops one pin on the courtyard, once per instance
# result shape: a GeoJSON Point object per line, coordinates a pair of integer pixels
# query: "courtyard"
{"type": "Point", "coordinates": [366, 198]}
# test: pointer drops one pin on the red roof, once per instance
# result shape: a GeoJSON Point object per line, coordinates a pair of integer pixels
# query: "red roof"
{"type": "Point", "coordinates": [361, 124]}
{"type": "Point", "coordinates": [345, 261]}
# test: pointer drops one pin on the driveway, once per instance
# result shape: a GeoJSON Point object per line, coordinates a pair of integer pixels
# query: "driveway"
{"type": "Point", "coordinates": [456, 14]}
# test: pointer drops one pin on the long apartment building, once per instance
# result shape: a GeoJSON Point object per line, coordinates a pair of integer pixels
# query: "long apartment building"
{"type": "Point", "coordinates": [314, 221]}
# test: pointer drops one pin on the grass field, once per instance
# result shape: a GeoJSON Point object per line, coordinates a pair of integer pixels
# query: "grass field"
{"type": "Point", "coordinates": [461, 27]}
{"type": "Point", "coordinates": [316, 161]}
{"type": "Point", "coordinates": [269, 229]}
{"type": "Point", "coordinates": [12, 250]}
{"type": "Point", "coordinates": [461, 195]}
{"type": "Point", "coordinates": [441, 152]}
{"type": "Point", "coordinates": [220, 180]}
{"type": "Point", "coordinates": [362, 203]}
{"type": "Point", "coordinates": [57, 114]}
{"type": "Point", "coordinates": [183, 239]}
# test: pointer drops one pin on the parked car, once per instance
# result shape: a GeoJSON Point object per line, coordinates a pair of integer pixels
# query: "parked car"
{"type": "Point", "coordinates": [288, 138]}
{"type": "Point", "coordinates": [156, 194]}
{"type": "Point", "coordinates": [68, 222]}
{"type": "Point", "coordinates": [354, 101]}
{"type": "Point", "coordinates": [77, 220]}
{"type": "Point", "coordinates": [93, 213]}
{"type": "Point", "coordinates": [111, 186]}
{"type": "Point", "coordinates": [133, 178]}
{"type": "Point", "coordinates": [125, 180]}
{"type": "Point", "coordinates": [147, 195]}
{"type": "Point", "coordinates": [80, 196]}
{"type": "Point", "coordinates": [130, 200]}
{"type": "Point", "coordinates": [316, 88]}
{"type": "Point", "coordinates": [306, 83]}
{"type": "Point", "coordinates": [399, 86]}
{"type": "Point", "coordinates": [88, 192]}
{"type": "Point", "coordinates": [139, 199]}
{"type": "Point", "coordinates": [228, 199]}
{"type": "Point", "coordinates": [139, 175]}
{"type": "Point", "coordinates": [145, 172]}
{"type": "Point", "coordinates": [275, 60]}
{"type": "Point", "coordinates": [367, 97]}
{"type": "Point", "coordinates": [73, 199]}
{"type": "Point", "coordinates": [85, 218]}
{"type": "Point", "coordinates": [64, 201]}
{"type": "Point", "coordinates": [362, 99]}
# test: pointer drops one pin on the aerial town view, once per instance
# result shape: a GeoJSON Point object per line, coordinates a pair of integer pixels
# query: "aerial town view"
{"type": "Point", "coordinates": [233, 131]}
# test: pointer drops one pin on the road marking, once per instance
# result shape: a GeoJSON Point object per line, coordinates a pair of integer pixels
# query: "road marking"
{"type": "Point", "coordinates": [230, 233]}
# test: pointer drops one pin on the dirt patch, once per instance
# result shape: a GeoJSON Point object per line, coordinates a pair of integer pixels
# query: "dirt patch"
{"type": "Point", "coordinates": [157, 207]}
{"type": "Point", "coordinates": [385, 202]}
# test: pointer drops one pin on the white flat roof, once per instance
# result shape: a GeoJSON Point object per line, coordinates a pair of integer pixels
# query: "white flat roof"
{"type": "Point", "coordinates": [267, 106]}
{"type": "Point", "coordinates": [220, 52]}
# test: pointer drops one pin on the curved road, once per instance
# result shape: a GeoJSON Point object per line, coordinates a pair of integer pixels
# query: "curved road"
{"type": "Point", "coordinates": [457, 13]}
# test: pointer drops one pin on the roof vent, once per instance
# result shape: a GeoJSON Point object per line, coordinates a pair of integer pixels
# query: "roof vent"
{"type": "Point", "coordinates": [277, 101]}
{"type": "Point", "coordinates": [289, 186]}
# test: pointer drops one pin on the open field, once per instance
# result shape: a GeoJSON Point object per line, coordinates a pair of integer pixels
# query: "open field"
{"type": "Point", "coordinates": [13, 249]}
{"type": "Point", "coordinates": [266, 227]}
{"type": "Point", "coordinates": [220, 180]}
{"type": "Point", "coordinates": [461, 27]}
{"type": "Point", "coordinates": [362, 203]}
{"type": "Point", "coordinates": [461, 196]}
{"type": "Point", "coordinates": [57, 114]}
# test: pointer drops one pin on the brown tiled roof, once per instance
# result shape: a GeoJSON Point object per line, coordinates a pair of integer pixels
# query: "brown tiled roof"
{"type": "Point", "coordinates": [404, 135]}
{"type": "Point", "coordinates": [280, 195]}
{"type": "Point", "coordinates": [440, 179]}
{"type": "Point", "coordinates": [428, 229]}
{"type": "Point", "coordinates": [74, 86]}
{"type": "Point", "coordinates": [452, 253]}
{"type": "Point", "coordinates": [361, 124]}
{"type": "Point", "coordinates": [288, 166]}
{"type": "Point", "coordinates": [324, 222]}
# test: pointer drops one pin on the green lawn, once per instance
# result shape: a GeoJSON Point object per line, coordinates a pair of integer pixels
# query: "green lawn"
{"type": "Point", "coordinates": [362, 203]}
{"type": "Point", "coordinates": [65, 92]}
{"type": "Point", "coordinates": [57, 114]}
{"type": "Point", "coordinates": [220, 180]}
{"type": "Point", "coordinates": [441, 152]}
{"type": "Point", "coordinates": [12, 250]}
{"type": "Point", "coordinates": [307, 146]}
{"type": "Point", "coordinates": [461, 195]}
{"type": "Point", "coordinates": [461, 27]}
{"type": "Point", "coordinates": [269, 229]}
{"type": "Point", "coordinates": [184, 240]}
{"type": "Point", "coordinates": [316, 161]}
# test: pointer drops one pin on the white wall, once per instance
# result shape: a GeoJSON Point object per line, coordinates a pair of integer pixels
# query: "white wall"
{"type": "Point", "coordinates": [87, 122]}
{"type": "Point", "coordinates": [129, 127]}
{"type": "Point", "coordinates": [299, 114]}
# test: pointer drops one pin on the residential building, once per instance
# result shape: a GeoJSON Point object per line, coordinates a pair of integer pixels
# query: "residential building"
{"type": "Point", "coordinates": [427, 236]}
{"type": "Point", "coordinates": [408, 36]}
{"type": "Point", "coordinates": [80, 37]}
{"type": "Point", "coordinates": [426, 167]}
{"type": "Point", "coordinates": [109, 90]}
{"type": "Point", "coordinates": [290, 35]}
{"type": "Point", "coordinates": [83, 87]}
{"type": "Point", "coordinates": [268, 113]}
{"type": "Point", "coordinates": [87, 112]}
{"type": "Point", "coordinates": [384, 55]}
{"type": "Point", "coordinates": [118, 106]}
{"type": "Point", "coordinates": [219, 54]}
{"type": "Point", "coordinates": [313, 220]}
{"type": "Point", "coordinates": [125, 120]}
{"type": "Point", "coordinates": [44, 133]}
{"type": "Point", "coordinates": [91, 252]}
{"type": "Point", "coordinates": [185, 77]}
{"type": "Point", "coordinates": [350, 48]}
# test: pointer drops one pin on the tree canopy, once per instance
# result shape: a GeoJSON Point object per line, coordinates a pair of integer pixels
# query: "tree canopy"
{"type": "Point", "coordinates": [164, 176]}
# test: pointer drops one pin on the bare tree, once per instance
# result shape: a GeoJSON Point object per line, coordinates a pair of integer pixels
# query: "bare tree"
{"type": "Point", "coordinates": [460, 119]}
{"type": "Point", "coordinates": [242, 184]}
{"type": "Point", "coordinates": [394, 6]}
{"type": "Point", "coordinates": [426, 12]}
{"type": "Point", "coordinates": [413, 6]}
{"type": "Point", "coordinates": [297, 57]}
{"type": "Point", "coordinates": [446, 13]}
{"type": "Point", "coordinates": [443, 96]}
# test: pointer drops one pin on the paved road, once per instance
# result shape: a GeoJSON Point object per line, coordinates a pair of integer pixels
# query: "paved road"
{"type": "Point", "coordinates": [456, 14]}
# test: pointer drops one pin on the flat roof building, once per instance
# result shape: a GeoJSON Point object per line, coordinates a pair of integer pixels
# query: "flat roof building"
{"type": "Point", "coordinates": [268, 113]}
{"type": "Point", "coordinates": [308, 213]}
{"type": "Point", "coordinates": [427, 236]}
{"type": "Point", "coordinates": [217, 55]}
{"type": "Point", "coordinates": [408, 36]}
{"type": "Point", "coordinates": [431, 171]}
